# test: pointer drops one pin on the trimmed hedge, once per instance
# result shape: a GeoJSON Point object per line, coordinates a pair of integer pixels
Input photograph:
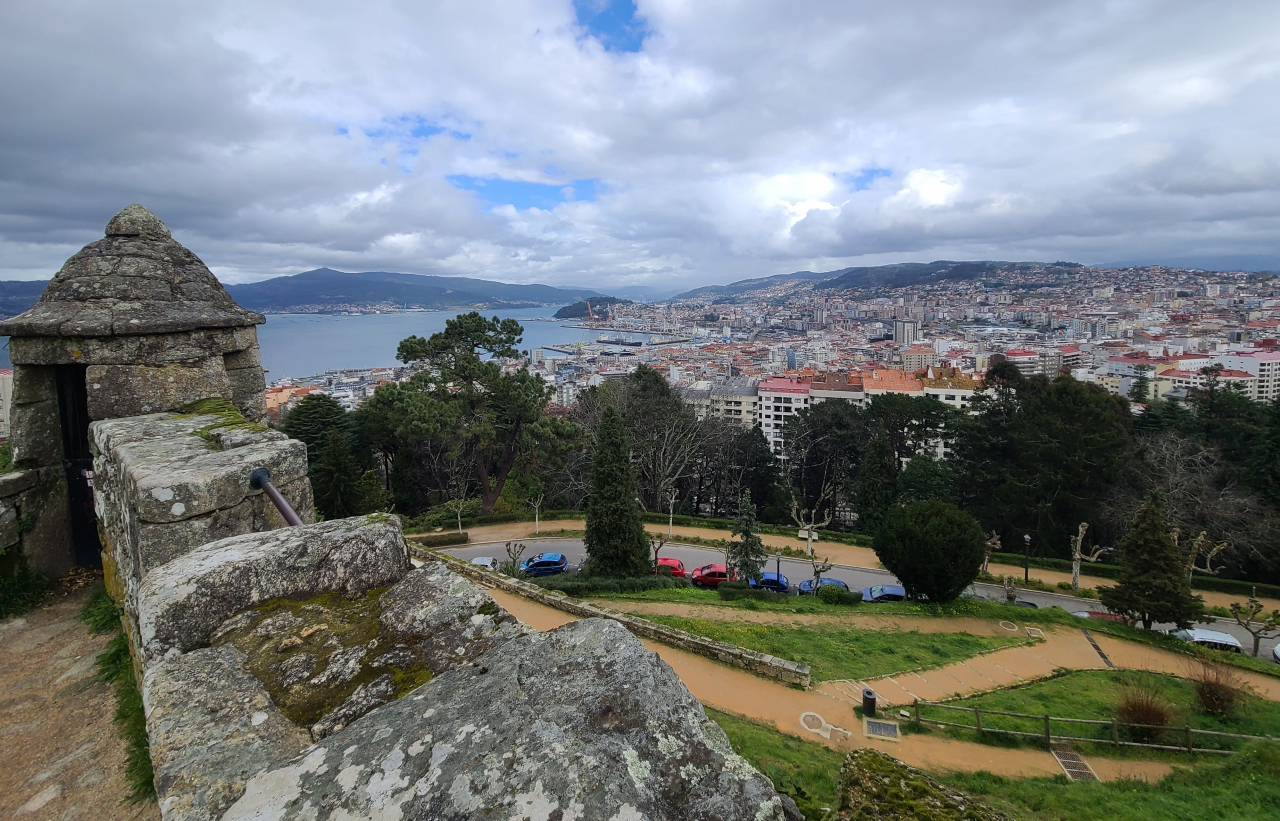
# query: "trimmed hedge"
{"type": "Point", "coordinates": [442, 539]}
{"type": "Point", "coordinates": [732, 591]}
{"type": "Point", "coordinates": [772, 530]}
{"type": "Point", "coordinates": [1111, 571]}
{"type": "Point", "coordinates": [579, 586]}
{"type": "Point", "coordinates": [834, 594]}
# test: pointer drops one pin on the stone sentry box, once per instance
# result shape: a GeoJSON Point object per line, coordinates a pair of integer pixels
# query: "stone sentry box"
{"type": "Point", "coordinates": [132, 324]}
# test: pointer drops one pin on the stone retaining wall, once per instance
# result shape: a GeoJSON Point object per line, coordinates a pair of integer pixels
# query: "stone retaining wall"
{"type": "Point", "coordinates": [761, 664]}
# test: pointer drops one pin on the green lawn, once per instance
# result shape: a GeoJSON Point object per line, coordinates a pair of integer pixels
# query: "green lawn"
{"type": "Point", "coordinates": [1093, 695]}
{"type": "Point", "coordinates": [840, 653]}
{"type": "Point", "coordinates": [806, 771]}
{"type": "Point", "coordinates": [1244, 787]}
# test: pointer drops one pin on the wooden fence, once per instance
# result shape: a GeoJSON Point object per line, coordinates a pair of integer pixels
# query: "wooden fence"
{"type": "Point", "coordinates": [1186, 735]}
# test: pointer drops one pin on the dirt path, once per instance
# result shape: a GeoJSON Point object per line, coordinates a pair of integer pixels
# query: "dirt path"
{"type": "Point", "coordinates": [736, 691]}
{"type": "Point", "coordinates": [844, 554]}
{"type": "Point", "coordinates": [62, 756]}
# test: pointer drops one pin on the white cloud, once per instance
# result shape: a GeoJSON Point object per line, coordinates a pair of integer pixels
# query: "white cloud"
{"type": "Point", "coordinates": [290, 135]}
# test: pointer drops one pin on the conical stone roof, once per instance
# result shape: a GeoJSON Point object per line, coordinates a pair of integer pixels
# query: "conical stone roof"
{"type": "Point", "coordinates": [136, 280]}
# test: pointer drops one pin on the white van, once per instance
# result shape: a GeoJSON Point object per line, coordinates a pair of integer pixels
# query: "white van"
{"type": "Point", "coordinates": [1211, 639]}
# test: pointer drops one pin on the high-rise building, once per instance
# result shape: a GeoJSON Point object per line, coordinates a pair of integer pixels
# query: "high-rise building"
{"type": "Point", "coordinates": [906, 331]}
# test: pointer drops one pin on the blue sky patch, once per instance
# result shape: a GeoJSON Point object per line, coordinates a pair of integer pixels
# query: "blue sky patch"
{"type": "Point", "coordinates": [524, 195]}
{"type": "Point", "coordinates": [612, 22]}
{"type": "Point", "coordinates": [862, 179]}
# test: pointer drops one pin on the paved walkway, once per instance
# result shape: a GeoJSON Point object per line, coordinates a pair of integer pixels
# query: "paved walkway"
{"type": "Point", "coordinates": [63, 758]}
{"type": "Point", "coordinates": [736, 691]}
{"type": "Point", "coordinates": [850, 555]}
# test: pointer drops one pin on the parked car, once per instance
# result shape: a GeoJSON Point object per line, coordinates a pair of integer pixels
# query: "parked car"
{"type": "Point", "coordinates": [1212, 639]}
{"type": "Point", "coordinates": [674, 565]}
{"type": "Point", "coordinates": [806, 586]}
{"type": "Point", "coordinates": [487, 562]}
{"type": "Point", "coordinates": [1098, 614]}
{"type": "Point", "coordinates": [709, 575]}
{"type": "Point", "coordinates": [883, 592]}
{"type": "Point", "coordinates": [1031, 605]}
{"type": "Point", "coordinates": [1275, 654]}
{"type": "Point", "coordinates": [772, 581]}
{"type": "Point", "coordinates": [545, 564]}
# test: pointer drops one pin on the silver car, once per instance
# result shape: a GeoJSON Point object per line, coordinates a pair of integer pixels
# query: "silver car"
{"type": "Point", "coordinates": [487, 562]}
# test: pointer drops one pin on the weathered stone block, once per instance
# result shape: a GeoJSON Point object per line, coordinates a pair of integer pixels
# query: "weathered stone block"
{"type": "Point", "coordinates": [212, 727]}
{"type": "Point", "coordinates": [248, 386]}
{"type": "Point", "coordinates": [582, 722]}
{"type": "Point", "coordinates": [182, 603]}
{"type": "Point", "coordinates": [144, 349]}
{"type": "Point", "coordinates": [36, 433]}
{"type": "Point", "coordinates": [13, 483]}
{"type": "Point", "coordinates": [32, 383]}
{"type": "Point", "coordinates": [117, 391]}
{"type": "Point", "coordinates": [248, 358]}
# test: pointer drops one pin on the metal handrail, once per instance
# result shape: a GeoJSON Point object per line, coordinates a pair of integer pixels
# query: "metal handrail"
{"type": "Point", "coordinates": [260, 479]}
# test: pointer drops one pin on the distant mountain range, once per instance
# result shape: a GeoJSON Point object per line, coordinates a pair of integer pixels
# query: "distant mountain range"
{"type": "Point", "coordinates": [324, 290]}
{"type": "Point", "coordinates": [898, 275]}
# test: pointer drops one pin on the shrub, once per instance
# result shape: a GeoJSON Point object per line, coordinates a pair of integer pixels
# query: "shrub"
{"type": "Point", "coordinates": [1141, 702]}
{"type": "Point", "coordinates": [442, 539]}
{"type": "Point", "coordinates": [733, 591]}
{"type": "Point", "coordinates": [581, 585]}
{"type": "Point", "coordinates": [934, 548]}
{"type": "Point", "coordinates": [833, 594]}
{"type": "Point", "coordinates": [1218, 690]}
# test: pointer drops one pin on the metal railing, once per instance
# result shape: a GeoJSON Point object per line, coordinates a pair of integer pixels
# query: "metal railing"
{"type": "Point", "coordinates": [260, 479]}
{"type": "Point", "coordinates": [1187, 734]}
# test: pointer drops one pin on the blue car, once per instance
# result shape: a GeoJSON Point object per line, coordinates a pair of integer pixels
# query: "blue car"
{"type": "Point", "coordinates": [772, 581]}
{"type": "Point", "coordinates": [806, 586]}
{"type": "Point", "coordinates": [545, 564]}
{"type": "Point", "coordinates": [884, 592]}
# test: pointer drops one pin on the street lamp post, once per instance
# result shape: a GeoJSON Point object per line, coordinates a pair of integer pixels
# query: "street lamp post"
{"type": "Point", "coordinates": [1026, 557]}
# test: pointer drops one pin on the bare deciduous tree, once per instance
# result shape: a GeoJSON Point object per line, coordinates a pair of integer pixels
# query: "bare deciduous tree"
{"type": "Point", "coordinates": [1246, 615]}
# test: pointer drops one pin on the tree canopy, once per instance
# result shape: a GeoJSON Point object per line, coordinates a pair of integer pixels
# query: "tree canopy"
{"type": "Point", "coordinates": [934, 548]}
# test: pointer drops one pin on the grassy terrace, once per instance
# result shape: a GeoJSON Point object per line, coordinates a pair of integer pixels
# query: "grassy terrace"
{"type": "Point", "coordinates": [1244, 787]}
{"type": "Point", "coordinates": [1093, 695]}
{"type": "Point", "coordinates": [959, 608]}
{"type": "Point", "coordinates": [843, 653]}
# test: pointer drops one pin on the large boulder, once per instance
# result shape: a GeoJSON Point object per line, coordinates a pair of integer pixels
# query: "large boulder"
{"type": "Point", "coordinates": [579, 723]}
{"type": "Point", "coordinates": [181, 604]}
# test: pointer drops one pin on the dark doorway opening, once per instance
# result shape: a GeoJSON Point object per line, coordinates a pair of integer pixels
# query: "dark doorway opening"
{"type": "Point", "coordinates": [77, 463]}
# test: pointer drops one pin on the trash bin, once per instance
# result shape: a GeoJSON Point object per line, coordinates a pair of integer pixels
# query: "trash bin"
{"type": "Point", "coordinates": [869, 703]}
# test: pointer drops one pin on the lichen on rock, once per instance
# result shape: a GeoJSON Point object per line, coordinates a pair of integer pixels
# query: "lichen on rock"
{"type": "Point", "coordinates": [326, 660]}
{"type": "Point", "coordinates": [876, 787]}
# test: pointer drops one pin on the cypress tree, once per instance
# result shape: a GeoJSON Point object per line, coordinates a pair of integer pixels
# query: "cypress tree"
{"type": "Point", "coordinates": [335, 478]}
{"type": "Point", "coordinates": [1153, 585]}
{"type": "Point", "coordinates": [876, 487]}
{"type": "Point", "coordinates": [615, 538]}
{"type": "Point", "coordinates": [745, 555]}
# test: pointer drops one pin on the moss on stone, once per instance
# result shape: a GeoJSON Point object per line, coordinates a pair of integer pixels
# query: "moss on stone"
{"type": "Point", "coordinates": [229, 418]}
{"type": "Point", "coordinates": [277, 634]}
{"type": "Point", "coordinates": [876, 787]}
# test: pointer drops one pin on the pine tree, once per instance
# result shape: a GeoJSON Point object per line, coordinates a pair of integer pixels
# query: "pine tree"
{"type": "Point", "coordinates": [745, 556]}
{"type": "Point", "coordinates": [876, 487]}
{"type": "Point", "coordinates": [615, 538]}
{"type": "Point", "coordinates": [311, 421]}
{"type": "Point", "coordinates": [1153, 584]}
{"type": "Point", "coordinates": [1140, 388]}
{"type": "Point", "coordinates": [335, 478]}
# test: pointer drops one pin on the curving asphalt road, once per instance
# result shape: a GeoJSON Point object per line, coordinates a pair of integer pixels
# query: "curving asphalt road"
{"type": "Point", "coordinates": [797, 570]}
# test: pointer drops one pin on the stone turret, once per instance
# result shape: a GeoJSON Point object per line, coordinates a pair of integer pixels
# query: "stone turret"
{"type": "Point", "coordinates": [133, 324]}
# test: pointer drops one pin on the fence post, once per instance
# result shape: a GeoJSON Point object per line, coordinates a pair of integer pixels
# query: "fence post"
{"type": "Point", "coordinates": [916, 706]}
{"type": "Point", "coordinates": [1190, 746]}
{"type": "Point", "coordinates": [977, 716]}
{"type": "Point", "coordinates": [1115, 733]}
{"type": "Point", "coordinates": [1047, 738]}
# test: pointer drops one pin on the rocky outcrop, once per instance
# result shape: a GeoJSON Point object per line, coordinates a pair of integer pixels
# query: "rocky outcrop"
{"type": "Point", "coordinates": [579, 723]}
{"type": "Point", "coordinates": [181, 604]}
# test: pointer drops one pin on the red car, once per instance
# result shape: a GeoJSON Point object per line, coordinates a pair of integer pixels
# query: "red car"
{"type": "Point", "coordinates": [709, 575]}
{"type": "Point", "coordinates": [674, 565]}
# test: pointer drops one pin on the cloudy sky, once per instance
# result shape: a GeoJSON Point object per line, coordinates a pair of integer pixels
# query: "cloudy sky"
{"type": "Point", "coordinates": [664, 143]}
